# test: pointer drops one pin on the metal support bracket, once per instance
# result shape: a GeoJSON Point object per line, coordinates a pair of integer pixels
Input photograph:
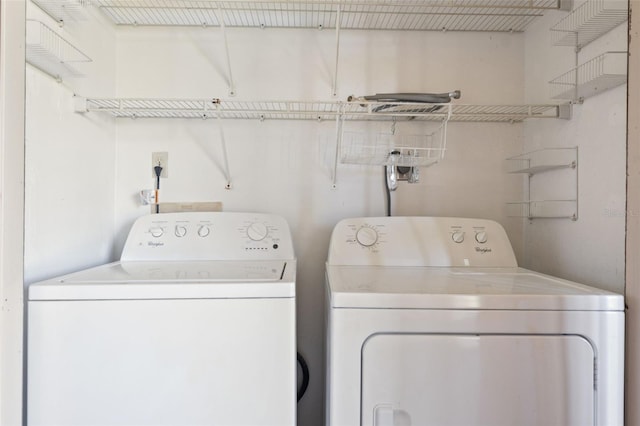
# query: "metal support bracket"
{"type": "Point", "coordinates": [223, 145]}
{"type": "Point", "coordinates": [334, 87]}
{"type": "Point", "coordinates": [339, 126]}
{"type": "Point", "coordinates": [223, 28]}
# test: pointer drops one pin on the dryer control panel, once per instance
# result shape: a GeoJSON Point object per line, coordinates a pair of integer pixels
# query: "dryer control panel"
{"type": "Point", "coordinates": [420, 241]}
{"type": "Point", "coordinates": [209, 236]}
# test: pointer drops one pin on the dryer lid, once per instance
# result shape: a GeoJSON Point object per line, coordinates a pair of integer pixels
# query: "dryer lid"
{"type": "Point", "coordinates": [172, 280]}
{"type": "Point", "coordinates": [461, 288]}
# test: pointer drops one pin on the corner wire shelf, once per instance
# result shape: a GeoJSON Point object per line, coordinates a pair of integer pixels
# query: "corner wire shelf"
{"type": "Point", "coordinates": [539, 162]}
{"type": "Point", "coordinates": [316, 110]}
{"type": "Point", "coordinates": [50, 53]}
{"type": "Point", "coordinates": [64, 10]}
{"type": "Point", "coordinates": [590, 21]}
{"type": "Point", "coordinates": [415, 15]}
{"type": "Point", "coordinates": [595, 76]}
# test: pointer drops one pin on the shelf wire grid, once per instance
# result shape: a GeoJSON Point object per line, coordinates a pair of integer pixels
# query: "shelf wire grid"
{"type": "Point", "coordinates": [589, 21]}
{"type": "Point", "coordinates": [428, 15]}
{"type": "Point", "coordinates": [49, 52]}
{"type": "Point", "coordinates": [601, 73]}
{"type": "Point", "coordinates": [316, 110]}
{"type": "Point", "coordinates": [408, 150]}
{"type": "Point", "coordinates": [64, 10]}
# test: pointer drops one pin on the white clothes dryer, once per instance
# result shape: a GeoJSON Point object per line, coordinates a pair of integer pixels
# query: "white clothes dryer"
{"type": "Point", "coordinates": [195, 325]}
{"type": "Point", "coordinates": [431, 322]}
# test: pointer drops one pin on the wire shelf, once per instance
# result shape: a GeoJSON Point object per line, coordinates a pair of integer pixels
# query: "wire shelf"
{"type": "Point", "coordinates": [64, 10]}
{"type": "Point", "coordinates": [449, 15]}
{"type": "Point", "coordinates": [50, 53]}
{"type": "Point", "coordinates": [543, 160]}
{"type": "Point", "coordinates": [601, 73]}
{"type": "Point", "coordinates": [589, 21]}
{"type": "Point", "coordinates": [390, 149]}
{"type": "Point", "coordinates": [544, 209]}
{"type": "Point", "coordinates": [557, 194]}
{"type": "Point", "coordinates": [316, 110]}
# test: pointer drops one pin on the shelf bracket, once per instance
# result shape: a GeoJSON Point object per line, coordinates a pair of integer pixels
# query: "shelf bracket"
{"type": "Point", "coordinates": [339, 125]}
{"type": "Point", "coordinates": [223, 28]}
{"type": "Point", "coordinates": [566, 5]}
{"type": "Point", "coordinates": [565, 111]}
{"type": "Point", "coordinates": [223, 145]}
{"type": "Point", "coordinates": [334, 86]}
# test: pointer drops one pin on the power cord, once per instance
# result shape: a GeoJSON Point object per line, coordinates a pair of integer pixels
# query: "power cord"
{"type": "Point", "coordinates": [158, 171]}
{"type": "Point", "coordinates": [305, 376]}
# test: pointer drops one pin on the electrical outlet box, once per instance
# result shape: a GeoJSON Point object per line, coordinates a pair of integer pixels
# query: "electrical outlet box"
{"type": "Point", "coordinates": [160, 159]}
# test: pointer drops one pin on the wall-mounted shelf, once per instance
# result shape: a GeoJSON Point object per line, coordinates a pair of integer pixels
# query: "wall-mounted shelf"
{"type": "Point", "coordinates": [410, 150]}
{"type": "Point", "coordinates": [415, 15]}
{"type": "Point", "coordinates": [63, 10]}
{"type": "Point", "coordinates": [590, 21]}
{"type": "Point", "coordinates": [49, 52]}
{"type": "Point", "coordinates": [317, 110]}
{"type": "Point", "coordinates": [336, 111]}
{"type": "Point", "coordinates": [549, 161]}
{"type": "Point", "coordinates": [601, 73]}
{"type": "Point", "coordinates": [544, 209]}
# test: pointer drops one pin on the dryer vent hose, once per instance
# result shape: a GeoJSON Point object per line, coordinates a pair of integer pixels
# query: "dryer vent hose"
{"type": "Point", "coordinates": [430, 98]}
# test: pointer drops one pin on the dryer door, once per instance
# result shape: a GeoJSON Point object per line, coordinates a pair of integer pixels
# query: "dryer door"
{"type": "Point", "coordinates": [473, 380]}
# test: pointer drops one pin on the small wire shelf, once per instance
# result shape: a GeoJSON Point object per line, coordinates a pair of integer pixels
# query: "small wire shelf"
{"type": "Point", "coordinates": [543, 160]}
{"type": "Point", "coordinates": [414, 15]}
{"type": "Point", "coordinates": [315, 110]}
{"type": "Point", "coordinates": [555, 196]}
{"type": "Point", "coordinates": [389, 149]}
{"type": "Point", "coordinates": [589, 21]}
{"type": "Point", "coordinates": [544, 209]}
{"type": "Point", "coordinates": [64, 10]}
{"type": "Point", "coordinates": [595, 76]}
{"type": "Point", "coordinates": [49, 52]}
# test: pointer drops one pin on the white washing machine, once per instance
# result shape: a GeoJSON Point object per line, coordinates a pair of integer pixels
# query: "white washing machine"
{"type": "Point", "coordinates": [431, 322]}
{"type": "Point", "coordinates": [195, 325]}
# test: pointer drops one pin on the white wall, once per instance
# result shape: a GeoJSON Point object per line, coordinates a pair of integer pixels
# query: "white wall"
{"type": "Point", "coordinates": [284, 167]}
{"type": "Point", "coordinates": [70, 158]}
{"type": "Point", "coordinates": [12, 15]}
{"type": "Point", "coordinates": [591, 249]}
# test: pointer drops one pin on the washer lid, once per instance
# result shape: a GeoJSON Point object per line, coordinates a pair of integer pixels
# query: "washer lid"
{"type": "Point", "coordinates": [461, 288]}
{"type": "Point", "coordinates": [172, 280]}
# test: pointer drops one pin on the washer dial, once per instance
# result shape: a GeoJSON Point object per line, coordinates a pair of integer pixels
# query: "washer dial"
{"type": "Point", "coordinates": [204, 231]}
{"type": "Point", "coordinates": [257, 231]}
{"type": "Point", "coordinates": [366, 236]}
{"type": "Point", "coordinates": [457, 237]}
{"type": "Point", "coordinates": [481, 237]}
{"type": "Point", "coordinates": [181, 231]}
{"type": "Point", "coordinates": [156, 232]}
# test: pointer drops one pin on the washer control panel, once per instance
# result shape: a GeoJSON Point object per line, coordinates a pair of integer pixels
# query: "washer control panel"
{"type": "Point", "coordinates": [208, 236]}
{"type": "Point", "coordinates": [420, 241]}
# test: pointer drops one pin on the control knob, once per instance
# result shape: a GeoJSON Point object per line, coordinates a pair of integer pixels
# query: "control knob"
{"type": "Point", "coordinates": [457, 237]}
{"type": "Point", "coordinates": [366, 236]}
{"type": "Point", "coordinates": [481, 237]}
{"type": "Point", "coordinates": [257, 231]}
{"type": "Point", "coordinates": [181, 231]}
{"type": "Point", "coordinates": [156, 232]}
{"type": "Point", "coordinates": [204, 231]}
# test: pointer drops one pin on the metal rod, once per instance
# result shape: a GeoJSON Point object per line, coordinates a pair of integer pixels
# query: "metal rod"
{"type": "Point", "coordinates": [223, 143]}
{"type": "Point", "coordinates": [334, 88]}
{"type": "Point", "coordinates": [339, 122]}
{"type": "Point", "coordinates": [220, 16]}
